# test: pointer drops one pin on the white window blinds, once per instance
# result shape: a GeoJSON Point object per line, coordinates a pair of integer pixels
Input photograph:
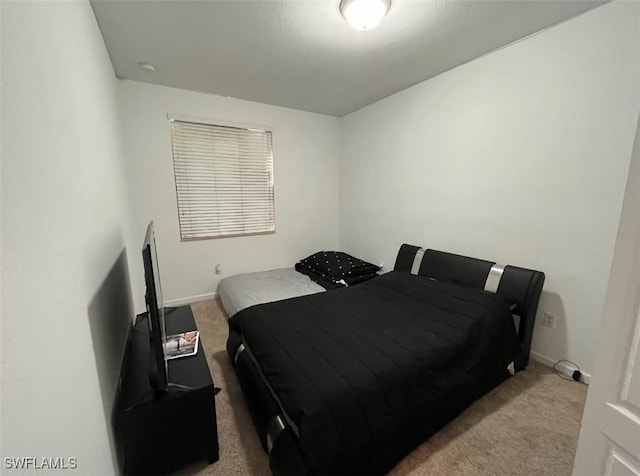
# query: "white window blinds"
{"type": "Point", "coordinates": [224, 180]}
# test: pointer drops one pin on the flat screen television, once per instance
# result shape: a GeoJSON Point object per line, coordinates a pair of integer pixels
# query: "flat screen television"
{"type": "Point", "coordinates": [158, 371]}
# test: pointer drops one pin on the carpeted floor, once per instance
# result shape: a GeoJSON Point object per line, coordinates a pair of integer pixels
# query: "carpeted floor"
{"type": "Point", "coordinates": [527, 426]}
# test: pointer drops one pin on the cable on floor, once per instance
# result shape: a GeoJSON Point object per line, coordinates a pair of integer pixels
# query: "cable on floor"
{"type": "Point", "coordinates": [576, 376]}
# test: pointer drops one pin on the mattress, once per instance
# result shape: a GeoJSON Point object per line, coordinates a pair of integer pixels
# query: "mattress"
{"type": "Point", "coordinates": [241, 291]}
{"type": "Point", "coordinates": [364, 374]}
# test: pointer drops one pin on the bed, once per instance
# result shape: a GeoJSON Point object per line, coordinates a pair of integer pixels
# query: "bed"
{"type": "Point", "coordinates": [244, 290]}
{"type": "Point", "coordinates": [350, 381]}
{"type": "Point", "coordinates": [310, 275]}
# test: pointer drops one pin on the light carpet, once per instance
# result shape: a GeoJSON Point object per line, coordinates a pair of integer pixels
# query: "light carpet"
{"type": "Point", "coordinates": [529, 425]}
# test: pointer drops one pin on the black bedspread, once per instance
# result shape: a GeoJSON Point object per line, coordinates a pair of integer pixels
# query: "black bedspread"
{"type": "Point", "coordinates": [365, 374]}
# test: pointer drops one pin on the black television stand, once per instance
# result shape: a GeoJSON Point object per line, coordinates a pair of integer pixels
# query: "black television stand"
{"type": "Point", "coordinates": [157, 433]}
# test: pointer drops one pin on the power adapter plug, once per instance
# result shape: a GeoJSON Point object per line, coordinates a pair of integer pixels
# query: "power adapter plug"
{"type": "Point", "coordinates": [577, 375]}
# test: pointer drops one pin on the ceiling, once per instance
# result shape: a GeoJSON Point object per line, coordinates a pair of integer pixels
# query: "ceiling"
{"type": "Point", "coordinates": [302, 54]}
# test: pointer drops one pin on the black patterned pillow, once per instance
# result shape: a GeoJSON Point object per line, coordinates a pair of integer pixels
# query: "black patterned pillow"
{"type": "Point", "coordinates": [337, 265]}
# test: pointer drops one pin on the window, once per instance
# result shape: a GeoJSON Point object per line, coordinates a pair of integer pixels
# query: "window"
{"type": "Point", "coordinates": [224, 180]}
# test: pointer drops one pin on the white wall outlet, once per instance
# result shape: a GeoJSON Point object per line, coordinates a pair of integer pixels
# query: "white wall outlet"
{"type": "Point", "coordinates": [549, 320]}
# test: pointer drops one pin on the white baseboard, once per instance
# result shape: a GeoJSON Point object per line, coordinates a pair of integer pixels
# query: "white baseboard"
{"type": "Point", "coordinates": [190, 299]}
{"type": "Point", "coordinates": [563, 367]}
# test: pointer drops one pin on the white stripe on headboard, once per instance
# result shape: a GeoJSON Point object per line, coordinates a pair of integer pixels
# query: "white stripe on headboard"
{"type": "Point", "coordinates": [493, 278]}
{"type": "Point", "coordinates": [417, 261]}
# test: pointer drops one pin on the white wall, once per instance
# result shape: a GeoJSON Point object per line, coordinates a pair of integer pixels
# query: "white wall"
{"type": "Point", "coordinates": [64, 223]}
{"type": "Point", "coordinates": [519, 157]}
{"type": "Point", "coordinates": [306, 149]}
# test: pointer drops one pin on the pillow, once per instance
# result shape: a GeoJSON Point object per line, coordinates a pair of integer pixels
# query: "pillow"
{"type": "Point", "coordinates": [323, 280]}
{"type": "Point", "coordinates": [338, 265]}
{"type": "Point", "coordinates": [329, 282]}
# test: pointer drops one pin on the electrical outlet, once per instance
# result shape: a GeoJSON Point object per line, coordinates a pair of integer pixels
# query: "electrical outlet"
{"type": "Point", "coordinates": [549, 320]}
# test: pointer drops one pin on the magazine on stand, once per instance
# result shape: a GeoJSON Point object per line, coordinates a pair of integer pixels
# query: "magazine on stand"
{"type": "Point", "coordinates": [182, 345]}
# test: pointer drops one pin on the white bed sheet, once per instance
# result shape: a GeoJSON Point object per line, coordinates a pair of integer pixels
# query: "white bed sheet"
{"type": "Point", "coordinates": [243, 290]}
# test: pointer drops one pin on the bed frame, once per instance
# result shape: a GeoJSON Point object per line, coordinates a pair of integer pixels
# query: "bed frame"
{"type": "Point", "coordinates": [521, 287]}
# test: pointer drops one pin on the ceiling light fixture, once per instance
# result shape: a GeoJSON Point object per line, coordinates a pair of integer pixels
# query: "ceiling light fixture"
{"type": "Point", "coordinates": [364, 14]}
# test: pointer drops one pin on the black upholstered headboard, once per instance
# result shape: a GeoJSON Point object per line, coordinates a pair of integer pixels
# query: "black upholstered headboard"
{"type": "Point", "coordinates": [519, 286]}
